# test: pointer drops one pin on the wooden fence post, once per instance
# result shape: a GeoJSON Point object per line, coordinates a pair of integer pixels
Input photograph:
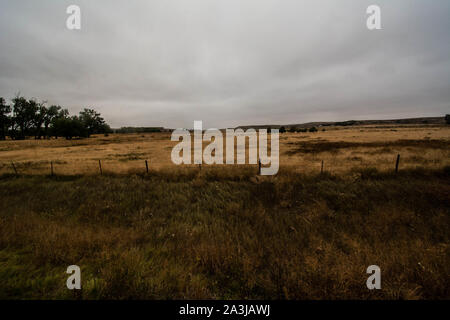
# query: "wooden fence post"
{"type": "Point", "coordinates": [51, 167]}
{"type": "Point", "coordinates": [396, 163]}
{"type": "Point", "coordinates": [146, 165]}
{"type": "Point", "coordinates": [321, 168]}
{"type": "Point", "coordinates": [259, 166]}
{"type": "Point", "coordinates": [100, 166]}
{"type": "Point", "coordinates": [14, 167]}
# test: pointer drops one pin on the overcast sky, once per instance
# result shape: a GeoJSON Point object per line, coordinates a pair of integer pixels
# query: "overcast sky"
{"type": "Point", "coordinates": [229, 62]}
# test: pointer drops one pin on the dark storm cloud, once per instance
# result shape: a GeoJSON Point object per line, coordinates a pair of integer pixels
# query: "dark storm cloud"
{"type": "Point", "coordinates": [229, 62]}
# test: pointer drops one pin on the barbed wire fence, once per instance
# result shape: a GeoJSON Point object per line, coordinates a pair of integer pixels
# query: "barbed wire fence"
{"type": "Point", "coordinates": [16, 167]}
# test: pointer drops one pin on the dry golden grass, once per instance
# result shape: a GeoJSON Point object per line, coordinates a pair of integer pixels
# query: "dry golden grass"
{"type": "Point", "coordinates": [370, 146]}
{"type": "Point", "coordinates": [224, 232]}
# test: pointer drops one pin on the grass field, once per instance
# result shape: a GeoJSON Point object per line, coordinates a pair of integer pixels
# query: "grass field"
{"type": "Point", "coordinates": [342, 149]}
{"type": "Point", "coordinates": [223, 232]}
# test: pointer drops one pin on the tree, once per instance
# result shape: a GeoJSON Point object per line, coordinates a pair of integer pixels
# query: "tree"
{"type": "Point", "coordinates": [92, 121]}
{"type": "Point", "coordinates": [447, 118]}
{"type": "Point", "coordinates": [24, 112]}
{"type": "Point", "coordinates": [106, 129]}
{"type": "Point", "coordinates": [30, 117]}
{"type": "Point", "coordinates": [51, 114]}
{"type": "Point", "coordinates": [313, 129]}
{"type": "Point", "coordinates": [69, 127]}
{"type": "Point", "coordinates": [282, 130]}
{"type": "Point", "coordinates": [39, 118]}
{"type": "Point", "coordinates": [57, 124]}
{"type": "Point", "coordinates": [5, 118]}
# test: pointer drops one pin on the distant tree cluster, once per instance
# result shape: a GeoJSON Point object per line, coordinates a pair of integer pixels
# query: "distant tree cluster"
{"type": "Point", "coordinates": [346, 123]}
{"type": "Point", "coordinates": [138, 129]}
{"type": "Point", "coordinates": [312, 129]}
{"type": "Point", "coordinates": [24, 118]}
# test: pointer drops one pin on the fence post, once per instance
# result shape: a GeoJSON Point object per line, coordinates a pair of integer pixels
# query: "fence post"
{"type": "Point", "coordinates": [51, 167]}
{"type": "Point", "coordinates": [396, 163]}
{"type": "Point", "coordinates": [259, 166]}
{"type": "Point", "coordinates": [146, 165]}
{"type": "Point", "coordinates": [321, 168]}
{"type": "Point", "coordinates": [100, 166]}
{"type": "Point", "coordinates": [14, 167]}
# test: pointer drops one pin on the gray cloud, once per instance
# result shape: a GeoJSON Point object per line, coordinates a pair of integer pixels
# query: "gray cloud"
{"type": "Point", "coordinates": [170, 62]}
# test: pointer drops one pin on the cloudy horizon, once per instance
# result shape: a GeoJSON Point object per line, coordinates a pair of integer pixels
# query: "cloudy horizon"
{"type": "Point", "coordinates": [229, 63]}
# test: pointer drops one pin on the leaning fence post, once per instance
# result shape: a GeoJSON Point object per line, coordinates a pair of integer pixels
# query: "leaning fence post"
{"type": "Point", "coordinates": [100, 166]}
{"type": "Point", "coordinates": [259, 166]}
{"type": "Point", "coordinates": [321, 168]}
{"type": "Point", "coordinates": [14, 167]}
{"type": "Point", "coordinates": [146, 165]}
{"type": "Point", "coordinates": [51, 167]}
{"type": "Point", "coordinates": [396, 163]}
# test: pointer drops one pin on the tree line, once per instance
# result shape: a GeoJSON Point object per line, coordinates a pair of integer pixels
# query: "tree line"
{"type": "Point", "coordinates": [27, 118]}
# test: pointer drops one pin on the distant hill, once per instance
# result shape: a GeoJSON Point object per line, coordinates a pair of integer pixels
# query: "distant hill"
{"type": "Point", "coordinates": [139, 129]}
{"type": "Point", "coordinates": [423, 120]}
{"type": "Point", "coordinates": [307, 125]}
